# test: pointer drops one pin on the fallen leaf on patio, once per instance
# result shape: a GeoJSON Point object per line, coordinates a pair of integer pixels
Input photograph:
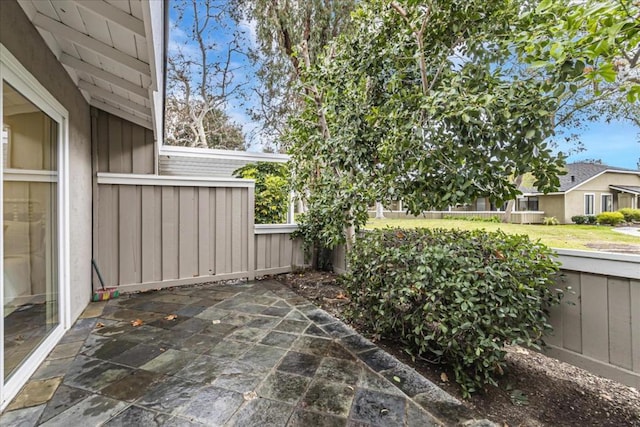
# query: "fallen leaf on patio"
{"type": "Point", "coordinates": [396, 379]}
{"type": "Point", "coordinates": [136, 323]}
{"type": "Point", "coordinates": [341, 296]}
{"type": "Point", "coordinates": [215, 322]}
{"type": "Point", "coordinates": [249, 395]}
{"type": "Point", "coordinates": [171, 317]}
{"type": "Point", "coordinates": [99, 325]}
{"type": "Point", "coordinates": [444, 377]}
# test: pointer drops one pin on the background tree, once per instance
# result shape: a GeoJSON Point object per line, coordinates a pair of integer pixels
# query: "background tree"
{"type": "Point", "coordinates": [220, 131]}
{"type": "Point", "coordinates": [288, 31]}
{"type": "Point", "coordinates": [271, 191]}
{"type": "Point", "coordinates": [421, 105]}
{"type": "Point", "coordinates": [203, 74]}
{"type": "Point", "coordinates": [588, 53]}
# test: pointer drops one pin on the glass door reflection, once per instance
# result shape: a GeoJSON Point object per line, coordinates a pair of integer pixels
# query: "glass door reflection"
{"type": "Point", "coordinates": [30, 216]}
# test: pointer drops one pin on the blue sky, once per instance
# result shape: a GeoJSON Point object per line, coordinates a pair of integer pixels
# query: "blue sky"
{"type": "Point", "coordinates": [615, 143]}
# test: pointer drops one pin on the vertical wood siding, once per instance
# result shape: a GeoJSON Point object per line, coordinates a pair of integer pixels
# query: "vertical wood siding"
{"type": "Point", "coordinates": [148, 235]}
{"type": "Point", "coordinates": [597, 326]}
{"type": "Point", "coordinates": [276, 253]}
{"type": "Point", "coordinates": [122, 146]}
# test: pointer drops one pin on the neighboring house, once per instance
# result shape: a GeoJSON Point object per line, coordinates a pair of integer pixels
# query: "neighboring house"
{"type": "Point", "coordinates": [586, 189]}
{"type": "Point", "coordinates": [81, 93]}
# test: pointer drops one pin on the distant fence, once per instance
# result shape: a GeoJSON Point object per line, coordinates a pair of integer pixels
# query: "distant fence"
{"type": "Point", "coordinates": [275, 251]}
{"type": "Point", "coordinates": [528, 217]}
{"type": "Point", "coordinates": [597, 326]}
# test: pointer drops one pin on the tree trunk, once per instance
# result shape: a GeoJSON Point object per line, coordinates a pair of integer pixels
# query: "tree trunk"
{"type": "Point", "coordinates": [506, 217]}
{"type": "Point", "coordinates": [379, 211]}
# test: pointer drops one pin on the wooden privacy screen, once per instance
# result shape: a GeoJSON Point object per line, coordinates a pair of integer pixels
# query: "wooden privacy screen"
{"type": "Point", "coordinates": [150, 234]}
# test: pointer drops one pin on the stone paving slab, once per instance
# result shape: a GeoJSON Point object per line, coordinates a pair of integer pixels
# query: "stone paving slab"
{"type": "Point", "coordinates": [235, 354]}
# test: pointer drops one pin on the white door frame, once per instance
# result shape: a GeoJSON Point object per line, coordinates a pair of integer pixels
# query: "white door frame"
{"type": "Point", "coordinates": [15, 74]}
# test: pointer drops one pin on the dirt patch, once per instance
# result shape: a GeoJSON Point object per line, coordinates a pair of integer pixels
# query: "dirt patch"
{"type": "Point", "coordinates": [535, 391]}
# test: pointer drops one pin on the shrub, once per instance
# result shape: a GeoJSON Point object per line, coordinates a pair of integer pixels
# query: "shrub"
{"type": "Point", "coordinates": [630, 214]}
{"type": "Point", "coordinates": [610, 218]}
{"type": "Point", "coordinates": [474, 218]}
{"type": "Point", "coordinates": [579, 219]}
{"type": "Point", "coordinates": [271, 190]}
{"type": "Point", "coordinates": [591, 219]}
{"type": "Point", "coordinates": [455, 296]}
{"type": "Point", "coordinates": [550, 220]}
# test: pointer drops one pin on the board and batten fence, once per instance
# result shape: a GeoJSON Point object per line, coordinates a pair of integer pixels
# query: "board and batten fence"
{"type": "Point", "coordinates": [597, 326]}
{"type": "Point", "coordinates": [276, 252]}
{"type": "Point", "coordinates": [157, 231]}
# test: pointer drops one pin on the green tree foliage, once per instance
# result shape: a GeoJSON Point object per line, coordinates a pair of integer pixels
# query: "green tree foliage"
{"type": "Point", "coordinates": [452, 296]}
{"type": "Point", "coordinates": [593, 40]}
{"type": "Point", "coordinates": [418, 102]}
{"type": "Point", "coordinates": [285, 29]}
{"type": "Point", "coordinates": [271, 191]}
{"type": "Point", "coordinates": [588, 53]}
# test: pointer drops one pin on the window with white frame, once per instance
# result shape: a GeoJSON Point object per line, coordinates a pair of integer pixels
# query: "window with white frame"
{"type": "Point", "coordinates": [589, 208]}
{"type": "Point", "coordinates": [607, 203]}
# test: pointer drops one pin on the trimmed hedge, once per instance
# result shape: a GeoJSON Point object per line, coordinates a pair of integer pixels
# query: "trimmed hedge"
{"type": "Point", "coordinates": [630, 214]}
{"type": "Point", "coordinates": [610, 218]}
{"type": "Point", "coordinates": [579, 219]}
{"type": "Point", "coordinates": [455, 296]}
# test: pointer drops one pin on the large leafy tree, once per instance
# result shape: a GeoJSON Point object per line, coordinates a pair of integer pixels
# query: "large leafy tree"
{"type": "Point", "coordinates": [420, 102]}
{"type": "Point", "coordinates": [290, 34]}
{"type": "Point", "coordinates": [588, 53]}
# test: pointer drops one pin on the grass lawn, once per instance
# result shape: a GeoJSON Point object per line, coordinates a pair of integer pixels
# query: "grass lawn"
{"type": "Point", "coordinates": [557, 236]}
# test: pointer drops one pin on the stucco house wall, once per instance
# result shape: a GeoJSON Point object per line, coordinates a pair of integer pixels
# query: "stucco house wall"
{"type": "Point", "coordinates": [574, 199]}
{"type": "Point", "coordinates": [21, 38]}
{"type": "Point", "coordinates": [552, 205]}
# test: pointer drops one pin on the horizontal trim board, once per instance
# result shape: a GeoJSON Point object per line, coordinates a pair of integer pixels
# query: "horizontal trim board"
{"type": "Point", "coordinates": [17, 175]}
{"type": "Point", "coordinates": [275, 228]}
{"type": "Point", "coordinates": [148, 286]}
{"type": "Point", "coordinates": [171, 181]}
{"type": "Point", "coordinates": [602, 263]}
{"type": "Point", "coordinates": [168, 150]}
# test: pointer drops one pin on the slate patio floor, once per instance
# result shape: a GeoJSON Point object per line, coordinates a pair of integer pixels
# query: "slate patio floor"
{"type": "Point", "coordinates": [240, 354]}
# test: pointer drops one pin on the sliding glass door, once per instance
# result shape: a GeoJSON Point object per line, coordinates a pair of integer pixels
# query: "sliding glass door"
{"type": "Point", "coordinates": [33, 243]}
{"type": "Point", "coordinates": [30, 216]}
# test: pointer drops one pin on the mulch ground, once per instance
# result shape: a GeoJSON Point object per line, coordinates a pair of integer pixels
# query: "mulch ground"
{"type": "Point", "coordinates": [535, 390]}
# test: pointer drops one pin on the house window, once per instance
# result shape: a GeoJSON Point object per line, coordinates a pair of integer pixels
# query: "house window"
{"type": "Point", "coordinates": [528, 203]}
{"type": "Point", "coordinates": [589, 204]}
{"type": "Point", "coordinates": [607, 203]}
